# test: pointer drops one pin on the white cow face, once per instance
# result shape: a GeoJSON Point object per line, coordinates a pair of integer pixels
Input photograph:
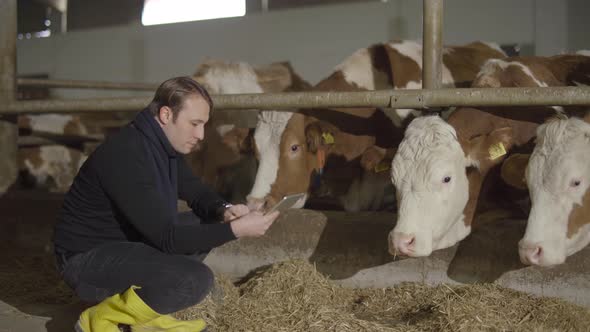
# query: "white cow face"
{"type": "Point", "coordinates": [430, 174]}
{"type": "Point", "coordinates": [558, 177]}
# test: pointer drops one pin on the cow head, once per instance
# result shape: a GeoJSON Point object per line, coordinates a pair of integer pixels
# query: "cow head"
{"type": "Point", "coordinates": [558, 178]}
{"type": "Point", "coordinates": [435, 174]}
{"type": "Point", "coordinates": [287, 146]}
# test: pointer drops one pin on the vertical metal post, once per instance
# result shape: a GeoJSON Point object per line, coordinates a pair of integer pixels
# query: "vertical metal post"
{"type": "Point", "coordinates": [63, 21]}
{"type": "Point", "coordinates": [432, 23]}
{"type": "Point", "coordinates": [8, 128]}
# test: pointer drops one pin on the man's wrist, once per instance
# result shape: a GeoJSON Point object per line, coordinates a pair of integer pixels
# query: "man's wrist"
{"type": "Point", "coordinates": [221, 208]}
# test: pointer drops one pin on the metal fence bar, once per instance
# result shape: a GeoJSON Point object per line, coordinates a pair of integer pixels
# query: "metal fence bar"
{"type": "Point", "coordinates": [432, 36]}
{"type": "Point", "coordinates": [76, 84]}
{"type": "Point", "coordinates": [8, 128]}
{"type": "Point", "coordinates": [537, 96]}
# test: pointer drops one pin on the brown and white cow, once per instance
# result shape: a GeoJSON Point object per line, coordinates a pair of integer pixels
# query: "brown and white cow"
{"type": "Point", "coordinates": [226, 159]}
{"type": "Point", "coordinates": [50, 167]}
{"type": "Point", "coordinates": [440, 166]}
{"type": "Point", "coordinates": [54, 166]}
{"type": "Point", "coordinates": [558, 178]}
{"type": "Point", "coordinates": [292, 147]}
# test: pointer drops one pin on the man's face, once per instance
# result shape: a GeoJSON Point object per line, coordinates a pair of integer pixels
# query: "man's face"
{"type": "Point", "coordinates": [188, 129]}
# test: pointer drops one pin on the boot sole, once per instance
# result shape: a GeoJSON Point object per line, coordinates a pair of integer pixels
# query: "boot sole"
{"type": "Point", "coordinates": [78, 327]}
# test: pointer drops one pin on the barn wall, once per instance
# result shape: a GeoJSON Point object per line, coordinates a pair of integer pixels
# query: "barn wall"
{"type": "Point", "coordinates": [313, 39]}
{"type": "Point", "coordinates": [577, 13]}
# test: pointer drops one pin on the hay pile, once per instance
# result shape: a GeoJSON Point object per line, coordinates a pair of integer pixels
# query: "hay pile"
{"type": "Point", "coordinates": [293, 296]}
{"type": "Point", "coordinates": [32, 278]}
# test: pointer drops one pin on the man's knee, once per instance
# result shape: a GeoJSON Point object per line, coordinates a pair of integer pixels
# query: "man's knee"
{"type": "Point", "coordinates": [199, 280]}
{"type": "Point", "coordinates": [188, 285]}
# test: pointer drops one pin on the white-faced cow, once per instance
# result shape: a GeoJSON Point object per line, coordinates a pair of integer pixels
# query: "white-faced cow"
{"type": "Point", "coordinates": [296, 148]}
{"type": "Point", "coordinates": [558, 178]}
{"type": "Point", "coordinates": [439, 168]}
{"type": "Point", "coordinates": [226, 159]}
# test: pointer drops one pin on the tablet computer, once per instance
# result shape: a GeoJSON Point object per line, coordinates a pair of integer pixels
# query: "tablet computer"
{"type": "Point", "coordinates": [286, 203]}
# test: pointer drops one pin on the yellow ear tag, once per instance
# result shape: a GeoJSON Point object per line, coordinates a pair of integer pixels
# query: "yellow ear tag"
{"type": "Point", "coordinates": [381, 167]}
{"type": "Point", "coordinates": [328, 138]}
{"type": "Point", "coordinates": [496, 151]}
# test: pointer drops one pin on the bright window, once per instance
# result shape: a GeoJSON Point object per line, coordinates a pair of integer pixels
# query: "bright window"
{"type": "Point", "coordinates": [172, 11]}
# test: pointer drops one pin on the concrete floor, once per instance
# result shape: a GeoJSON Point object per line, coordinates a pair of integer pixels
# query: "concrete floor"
{"type": "Point", "coordinates": [39, 318]}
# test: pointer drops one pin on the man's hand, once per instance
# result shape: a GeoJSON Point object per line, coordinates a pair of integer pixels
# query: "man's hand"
{"type": "Point", "coordinates": [234, 212]}
{"type": "Point", "coordinates": [253, 224]}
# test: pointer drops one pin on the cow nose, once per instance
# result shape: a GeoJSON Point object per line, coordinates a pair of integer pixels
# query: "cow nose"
{"type": "Point", "coordinates": [531, 255]}
{"type": "Point", "coordinates": [404, 243]}
{"type": "Point", "coordinates": [255, 204]}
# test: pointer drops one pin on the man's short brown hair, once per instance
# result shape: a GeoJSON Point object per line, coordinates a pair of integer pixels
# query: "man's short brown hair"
{"type": "Point", "coordinates": [173, 92]}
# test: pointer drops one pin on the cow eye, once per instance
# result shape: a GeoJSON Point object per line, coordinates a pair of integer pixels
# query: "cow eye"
{"type": "Point", "coordinates": [294, 147]}
{"type": "Point", "coordinates": [446, 179]}
{"type": "Point", "coordinates": [575, 183]}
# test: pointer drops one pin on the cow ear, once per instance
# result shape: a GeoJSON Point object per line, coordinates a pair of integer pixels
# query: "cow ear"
{"type": "Point", "coordinates": [491, 149]}
{"type": "Point", "coordinates": [238, 139]}
{"type": "Point", "coordinates": [513, 170]}
{"type": "Point", "coordinates": [313, 137]}
{"type": "Point", "coordinates": [319, 135]}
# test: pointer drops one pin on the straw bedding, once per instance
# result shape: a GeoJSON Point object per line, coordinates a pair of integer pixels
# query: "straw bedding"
{"type": "Point", "coordinates": [293, 296]}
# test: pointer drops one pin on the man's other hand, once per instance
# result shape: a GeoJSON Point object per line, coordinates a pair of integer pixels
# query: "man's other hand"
{"type": "Point", "coordinates": [253, 224]}
{"type": "Point", "coordinates": [234, 212]}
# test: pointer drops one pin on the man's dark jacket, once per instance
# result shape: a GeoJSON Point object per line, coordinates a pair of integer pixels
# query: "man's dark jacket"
{"type": "Point", "coordinates": [127, 190]}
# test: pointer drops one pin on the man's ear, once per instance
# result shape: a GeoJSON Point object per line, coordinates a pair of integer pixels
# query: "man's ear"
{"type": "Point", "coordinates": [513, 170]}
{"type": "Point", "coordinates": [164, 115]}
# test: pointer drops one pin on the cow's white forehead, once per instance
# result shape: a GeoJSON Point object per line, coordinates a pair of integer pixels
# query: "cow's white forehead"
{"type": "Point", "coordinates": [425, 138]}
{"type": "Point", "coordinates": [231, 78]}
{"type": "Point", "coordinates": [267, 137]}
{"type": "Point", "coordinates": [555, 140]}
{"type": "Point", "coordinates": [269, 129]}
{"type": "Point", "coordinates": [274, 117]}
{"type": "Point", "coordinates": [560, 136]}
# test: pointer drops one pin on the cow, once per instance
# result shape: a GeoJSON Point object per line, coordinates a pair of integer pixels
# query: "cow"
{"type": "Point", "coordinates": [557, 175]}
{"type": "Point", "coordinates": [440, 166]}
{"type": "Point", "coordinates": [52, 165]}
{"type": "Point", "coordinates": [303, 150]}
{"type": "Point", "coordinates": [226, 159]}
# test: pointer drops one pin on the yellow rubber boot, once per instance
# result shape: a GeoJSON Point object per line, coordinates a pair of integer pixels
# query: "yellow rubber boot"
{"type": "Point", "coordinates": [127, 308]}
{"type": "Point", "coordinates": [170, 324]}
